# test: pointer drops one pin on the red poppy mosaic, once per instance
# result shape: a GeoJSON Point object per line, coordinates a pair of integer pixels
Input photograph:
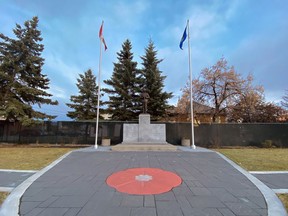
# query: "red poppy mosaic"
{"type": "Point", "coordinates": [143, 181]}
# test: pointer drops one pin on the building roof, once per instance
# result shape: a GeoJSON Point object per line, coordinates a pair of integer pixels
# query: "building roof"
{"type": "Point", "coordinates": [199, 108]}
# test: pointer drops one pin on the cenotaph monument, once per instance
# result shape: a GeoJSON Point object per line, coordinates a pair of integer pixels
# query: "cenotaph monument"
{"type": "Point", "coordinates": [144, 135]}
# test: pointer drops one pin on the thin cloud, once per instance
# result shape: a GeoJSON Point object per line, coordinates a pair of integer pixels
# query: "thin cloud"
{"type": "Point", "coordinates": [61, 69]}
{"type": "Point", "coordinates": [208, 21]}
{"type": "Point", "coordinates": [265, 57]}
{"type": "Point", "coordinates": [58, 92]}
{"type": "Point", "coordinates": [129, 14]}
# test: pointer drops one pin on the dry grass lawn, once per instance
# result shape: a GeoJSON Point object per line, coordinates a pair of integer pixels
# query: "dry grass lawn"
{"type": "Point", "coordinates": [3, 196]}
{"type": "Point", "coordinates": [284, 199]}
{"type": "Point", "coordinates": [258, 159]}
{"type": "Point", "coordinates": [28, 158]}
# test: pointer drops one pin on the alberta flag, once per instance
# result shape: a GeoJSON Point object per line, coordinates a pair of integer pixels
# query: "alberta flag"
{"type": "Point", "coordinates": [183, 38]}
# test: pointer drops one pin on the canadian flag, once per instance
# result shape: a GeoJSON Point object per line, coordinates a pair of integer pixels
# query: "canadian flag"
{"type": "Point", "coordinates": [101, 35]}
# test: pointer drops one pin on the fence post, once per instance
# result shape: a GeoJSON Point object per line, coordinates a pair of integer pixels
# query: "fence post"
{"type": "Point", "coordinates": [57, 128]}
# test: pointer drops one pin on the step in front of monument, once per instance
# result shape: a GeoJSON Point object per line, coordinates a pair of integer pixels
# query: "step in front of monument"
{"type": "Point", "coordinates": [144, 147]}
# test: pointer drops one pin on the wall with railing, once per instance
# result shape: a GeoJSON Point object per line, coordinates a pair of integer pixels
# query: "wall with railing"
{"type": "Point", "coordinates": [206, 135]}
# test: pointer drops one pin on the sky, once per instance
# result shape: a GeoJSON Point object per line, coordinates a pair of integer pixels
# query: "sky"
{"type": "Point", "coordinates": [251, 35]}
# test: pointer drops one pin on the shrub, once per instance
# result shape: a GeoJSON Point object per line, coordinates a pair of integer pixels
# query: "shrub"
{"type": "Point", "coordinates": [267, 144]}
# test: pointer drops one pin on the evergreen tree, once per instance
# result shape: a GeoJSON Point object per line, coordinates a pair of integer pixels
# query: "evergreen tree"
{"type": "Point", "coordinates": [22, 83]}
{"type": "Point", "coordinates": [153, 83]}
{"type": "Point", "coordinates": [85, 104]}
{"type": "Point", "coordinates": [124, 97]}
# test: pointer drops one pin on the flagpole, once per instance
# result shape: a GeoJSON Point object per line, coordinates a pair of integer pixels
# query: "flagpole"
{"type": "Point", "coordinates": [191, 97]}
{"type": "Point", "coordinates": [98, 102]}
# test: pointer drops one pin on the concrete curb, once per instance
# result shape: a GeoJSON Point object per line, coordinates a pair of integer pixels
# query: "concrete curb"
{"type": "Point", "coordinates": [11, 205]}
{"type": "Point", "coordinates": [268, 172]}
{"type": "Point", "coordinates": [274, 205]}
{"type": "Point", "coordinates": [6, 189]}
{"type": "Point", "coordinates": [281, 191]}
{"type": "Point", "coordinates": [189, 149]}
{"type": "Point", "coordinates": [19, 171]}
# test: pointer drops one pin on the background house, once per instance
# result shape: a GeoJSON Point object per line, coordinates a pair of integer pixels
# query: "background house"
{"type": "Point", "coordinates": [202, 114]}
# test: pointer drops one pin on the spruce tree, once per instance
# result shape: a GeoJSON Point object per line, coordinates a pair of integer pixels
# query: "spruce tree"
{"type": "Point", "coordinates": [85, 104]}
{"type": "Point", "coordinates": [124, 85]}
{"type": "Point", "coordinates": [153, 83]}
{"type": "Point", "coordinates": [22, 82]}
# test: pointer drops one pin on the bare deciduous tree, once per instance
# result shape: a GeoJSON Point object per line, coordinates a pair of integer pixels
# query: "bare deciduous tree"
{"type": "Point", "coordinates": [183, 103]}
{"type": "Point", "coordinates": [218, 86]}
{"type": "Point", "coordinates": [225, 91]}
{"type": "Point", "coordinates": [246, 105]}
{"type": "Point", "coordinates": [284, 103]}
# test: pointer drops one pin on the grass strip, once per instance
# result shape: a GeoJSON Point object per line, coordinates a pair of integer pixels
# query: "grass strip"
{"type": "Point", "coordinates": [3, 196]}
{"type": "Point", "coordinates": [258, 159]}
{"type": "Point", "coordinates": [284, 199]}
{"type": "Point", "coordinates": [29, 158]}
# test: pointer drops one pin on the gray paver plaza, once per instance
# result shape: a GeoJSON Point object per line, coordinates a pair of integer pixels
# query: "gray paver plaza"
{"type": "Point", "coordinates": [13, 179]}
{"type": "Point", "coordinates": [275, 180]}
{"type": "Point", "coordinates": [76, 186]}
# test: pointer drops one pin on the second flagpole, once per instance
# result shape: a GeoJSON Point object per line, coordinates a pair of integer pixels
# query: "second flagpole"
{"type": "Point", "coordinates": [191, 97]}
{"type": "Point", "coordinates": [99, 94]}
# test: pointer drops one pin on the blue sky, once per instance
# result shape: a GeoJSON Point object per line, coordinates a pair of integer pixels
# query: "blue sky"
{"type": "Point", "coordinates": [251, 35]}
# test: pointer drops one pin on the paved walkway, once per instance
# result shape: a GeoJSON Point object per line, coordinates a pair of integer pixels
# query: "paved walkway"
{"type": "Point", "coordinates": [278, 181]}
{"type": "Point", "coordinates": [9, 179]}
{"type": "Point", "coordinates": [211, 186]}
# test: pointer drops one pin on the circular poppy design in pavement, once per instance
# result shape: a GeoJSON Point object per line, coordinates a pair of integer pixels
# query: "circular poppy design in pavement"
{"type": "Point", "coordinates": [143, 181]}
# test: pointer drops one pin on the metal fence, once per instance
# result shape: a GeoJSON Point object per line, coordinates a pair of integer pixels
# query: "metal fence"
{"type": "Point", "coordinates": [206, 135]}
